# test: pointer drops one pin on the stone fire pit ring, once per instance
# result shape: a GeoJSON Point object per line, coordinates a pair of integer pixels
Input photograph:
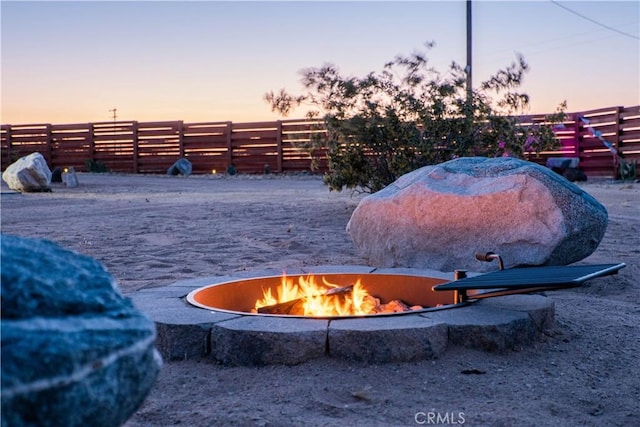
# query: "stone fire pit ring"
{"type": "Point", "coordinates": [187, 332]}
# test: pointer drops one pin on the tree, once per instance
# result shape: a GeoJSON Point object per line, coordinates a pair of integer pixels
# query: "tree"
{"type": "Point", "coordinates": [409, 115]}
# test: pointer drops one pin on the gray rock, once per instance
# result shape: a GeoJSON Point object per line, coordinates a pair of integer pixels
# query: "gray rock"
{"type": "Point", "coordinates": [69, 177]}
{"type": "Point", "coordinates": [75, 351]}
{"type": "Point", "coordinates": [182, 166]}
{"type": "Point", "coordinates": [28, 174]}
{"type": "Point", "coordinates": [439, 216]}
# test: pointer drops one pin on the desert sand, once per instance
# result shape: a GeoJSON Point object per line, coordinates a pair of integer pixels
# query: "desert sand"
{"type": "Point", "coordinates": [155, 230]}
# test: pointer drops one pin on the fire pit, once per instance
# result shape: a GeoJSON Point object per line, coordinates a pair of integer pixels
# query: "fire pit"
{"type": "Point", "coordinates": [218, 318]}
{"type": "Point", "coordinates": [326, 296]}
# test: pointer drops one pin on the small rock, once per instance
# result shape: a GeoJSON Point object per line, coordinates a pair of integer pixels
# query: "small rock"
{"type": "Point", "coordinates": [182, 166]}
{"type": "Point", "coordinates": [69, 177]}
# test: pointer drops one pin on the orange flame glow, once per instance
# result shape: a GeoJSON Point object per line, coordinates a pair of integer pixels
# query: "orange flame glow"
{"type": "Point", "coordinates": [323, 299]}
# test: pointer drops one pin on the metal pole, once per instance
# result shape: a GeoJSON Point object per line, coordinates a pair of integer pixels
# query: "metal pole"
{"type": "Point", "coordinates": [468, 68]}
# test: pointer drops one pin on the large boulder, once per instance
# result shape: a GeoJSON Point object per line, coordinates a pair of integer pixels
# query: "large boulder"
{"type": "Point", "coordinates": [439, 216]}
{"type": "Point", "coordinates": [75, 351]}
{"type": "Point", "coordinates": [28, 174]}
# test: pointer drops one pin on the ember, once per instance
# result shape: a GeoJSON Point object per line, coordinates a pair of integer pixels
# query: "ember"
{"type": "Point", "coordinates": [308, 298]}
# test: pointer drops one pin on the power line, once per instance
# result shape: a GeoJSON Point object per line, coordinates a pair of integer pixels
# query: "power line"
{"type": "Point", "coordinates": [594, 21]}
{"type": "Point", "coordinates": [540, 44]}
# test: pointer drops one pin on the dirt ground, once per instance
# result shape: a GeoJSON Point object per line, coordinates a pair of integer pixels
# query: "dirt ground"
{"type": "Point", "coordinates": [155, 230]}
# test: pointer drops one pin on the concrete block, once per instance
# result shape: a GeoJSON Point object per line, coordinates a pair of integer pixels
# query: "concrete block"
{"type": "Point", "coordinates": [397, 338]}
{"type": "Point", "coordinates": [486, 328]}
{"type": "Point", "coordinates": [262, 340]}
{"type": "Point", "coordinates": [540, 308]}
{"type": "Point", "coordinates": [338, 269]}
{"type": "Point", "coordinates": [199, 282]}
{"type": "Point", "coordinates": [182, 330]}
{"type": "Point", "coordinates": [183, 342]}
{"type": "Point", "coordinates": [163, 292]}
{"type": "Point", "coordinates": [271, 272]}
{"type": "Point", "coordinates": [422, 272]}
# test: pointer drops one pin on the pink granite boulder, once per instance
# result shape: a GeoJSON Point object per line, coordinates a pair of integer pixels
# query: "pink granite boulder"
{"type": "Point", "coordinates": [439, 216]}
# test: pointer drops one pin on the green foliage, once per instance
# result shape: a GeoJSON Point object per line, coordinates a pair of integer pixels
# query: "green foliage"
{"type": "Point", "coordinates": [386, 124]}
{"type": "Point", "coordinates": [627, 170]}
{"type": "Point", "coordinates": [96, 166]}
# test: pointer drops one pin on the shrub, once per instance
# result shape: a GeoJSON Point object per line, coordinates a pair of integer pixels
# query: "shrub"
{"type": "Point", "coordinates": [96, 166]}
{"type": "Point", "coordinates": [627, 170]}
{"type": "Point", "coordinates": [386, 124]}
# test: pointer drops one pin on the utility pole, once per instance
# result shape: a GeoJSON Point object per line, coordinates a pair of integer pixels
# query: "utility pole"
{"type": "Point", "coordinates": [468, 68]}
{"type": "Point", "coordinates": [114, 115]}
{"type": "Point", "coordinates": [114, 110]}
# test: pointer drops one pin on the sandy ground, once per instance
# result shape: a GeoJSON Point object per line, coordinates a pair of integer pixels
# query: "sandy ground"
{"type": "Point", "coordinates": [154, 230]}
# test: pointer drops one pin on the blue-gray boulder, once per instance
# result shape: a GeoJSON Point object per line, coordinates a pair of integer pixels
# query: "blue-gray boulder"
{"type": "Point", "coordinates": [182, 166]}
{"type": "Point", "coordinates": [75, 351]}
{"type": "Point", "coordinates": [439, 216]}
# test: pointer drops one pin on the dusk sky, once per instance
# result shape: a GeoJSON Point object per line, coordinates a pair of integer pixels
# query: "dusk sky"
{"type": "Point", "coordinates": [72, 62]}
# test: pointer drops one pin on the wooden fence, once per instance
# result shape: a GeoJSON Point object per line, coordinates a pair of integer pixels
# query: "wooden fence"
{"type": "Point", "coordinates": [152, 147]}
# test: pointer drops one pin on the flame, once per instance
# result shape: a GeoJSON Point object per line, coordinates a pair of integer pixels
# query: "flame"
{"type": "Point", "coordinates": [325, 299]}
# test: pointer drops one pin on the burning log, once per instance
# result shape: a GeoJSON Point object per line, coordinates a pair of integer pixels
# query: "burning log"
{"type": "Point", "coordinates": [291, 308]}
{"type": "Point", "coordinates": [335, 297]}
{"type": "Point", "coordinates": [395, 306]}
{"type": "Point", "coordinates": [296, 306]}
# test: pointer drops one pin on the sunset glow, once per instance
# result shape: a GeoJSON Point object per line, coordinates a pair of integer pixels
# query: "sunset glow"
{"type": "Point", "coordinates": [72, 62]}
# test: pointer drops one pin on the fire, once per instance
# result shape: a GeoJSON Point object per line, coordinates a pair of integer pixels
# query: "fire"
{"type": "Point", "coordinates": [309, 298]}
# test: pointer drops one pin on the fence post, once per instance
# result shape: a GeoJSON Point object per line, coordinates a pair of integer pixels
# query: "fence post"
{"type": "Point", "coordinates": [91, 142]}
{"type": "Point", "coordinates": [134, 131]}
{"type": "Point", "coordinates": [576, 135]}
{"type": "Point", "coordinates": [229, 144]}
{"type": "Point", "coordinates": [9, 146]}
{"type": "Point", "coordinates": [616, 145]}
{"type": "Point", "coordinates": [579, 138]}
{"type": "Point", "coordinates": [49, 149]}
{"type": "Point", "coordinates": [279, 143]}
{"type": "Point", "coordinates": [181, 137]}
